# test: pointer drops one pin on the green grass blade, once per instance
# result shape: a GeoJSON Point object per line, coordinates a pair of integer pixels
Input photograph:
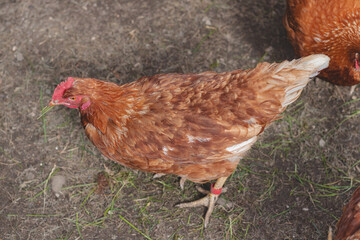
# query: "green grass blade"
{"type": "Point", "coordinates": [78, 226]}
{"type": "Point", "coordinates": [43, 119]}
{"type": "Point", "coordinates": [130, 224]}
{"type": "Point", "coordinates": [45, 110]}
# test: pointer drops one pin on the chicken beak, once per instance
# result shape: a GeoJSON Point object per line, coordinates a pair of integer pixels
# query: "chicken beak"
{"type": "Point", "coordinates": [52, 103]}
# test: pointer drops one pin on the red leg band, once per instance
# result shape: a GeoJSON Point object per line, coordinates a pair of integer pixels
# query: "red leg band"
{"type": "Point", "coordinates": [215, 191]}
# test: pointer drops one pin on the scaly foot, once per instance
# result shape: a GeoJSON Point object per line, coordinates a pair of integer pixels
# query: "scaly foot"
{"type": "Point", "coordinates": [207, 201]}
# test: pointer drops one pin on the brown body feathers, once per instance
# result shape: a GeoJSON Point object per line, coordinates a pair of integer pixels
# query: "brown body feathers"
{"type": "Point", "coordinates": [330, 27]}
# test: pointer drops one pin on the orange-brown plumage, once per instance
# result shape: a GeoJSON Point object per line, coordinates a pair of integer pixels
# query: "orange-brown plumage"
{"type": "Point", "coordinates": [348, 227]}
{"type": "Point", "coordinates": [329, 27]}
{"type": "Point", "coordinates": [196, 126]}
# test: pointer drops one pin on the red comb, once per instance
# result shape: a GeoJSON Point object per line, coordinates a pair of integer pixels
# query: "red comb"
{"type": "Point", "coordinates": [60, 89]}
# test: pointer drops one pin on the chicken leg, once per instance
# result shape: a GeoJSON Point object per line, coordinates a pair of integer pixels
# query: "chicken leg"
{"type": "Point", "coordinates": [207, 201]}
{"type": "Point", "coordinates": [159, 175]}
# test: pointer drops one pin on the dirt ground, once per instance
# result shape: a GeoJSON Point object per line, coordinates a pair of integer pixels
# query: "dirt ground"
{"type": "Point", "coordinates": [292, 185]}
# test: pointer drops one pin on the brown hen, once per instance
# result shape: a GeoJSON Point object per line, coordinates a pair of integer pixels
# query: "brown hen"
{"type": "Point", "coordinates": [330, 27]}
{"type": "Point", "coordinates": [196, 126]}
{"type": "Point", "coordinates": [348, 227]}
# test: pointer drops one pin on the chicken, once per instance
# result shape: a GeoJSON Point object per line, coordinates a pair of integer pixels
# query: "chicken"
{"type": "Point", "coordinates": [196, 126]}
{"type": "Point", "coordinates": [348, 227]}
{"type": "Point", "coordinates": [330, 27]}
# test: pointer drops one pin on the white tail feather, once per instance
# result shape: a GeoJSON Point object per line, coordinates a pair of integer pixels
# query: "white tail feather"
{"type": "Point", "coordinates": [310, 66]}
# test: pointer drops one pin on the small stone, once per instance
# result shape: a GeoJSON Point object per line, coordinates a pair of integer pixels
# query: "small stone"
{"type": "Point", "coordinates": [206, 20]}
{"type": "Point", "coordinates": [305, 209]}
{"type": "Point", "coordinates": [19, 57]}
{"type": "Point", "coordinates": [322, 143]}
{"type": "Point", "coordinates": [29, 176]}
{"type": "Point", "coordinates": [17, 89]}
{"type": "Point", "coordinates": [57, 183]}
{"type": "Point", "coordinates": [269, 49]}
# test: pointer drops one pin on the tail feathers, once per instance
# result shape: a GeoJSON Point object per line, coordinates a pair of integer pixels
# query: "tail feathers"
{"type": "Point", "coordinates": [313, 63]}
{"type": "Point", "coordinates": [305, 69]}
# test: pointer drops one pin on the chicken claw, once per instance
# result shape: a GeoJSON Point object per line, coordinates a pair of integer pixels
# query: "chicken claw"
{"type": "Point", "coordinates": [207, 201]}
{"type": "Point", "coordinates": [182, 182]}
{"type": "Point", "coordinates": [352, 89]}
{"type": "Point", "coordinates": [158, 175]}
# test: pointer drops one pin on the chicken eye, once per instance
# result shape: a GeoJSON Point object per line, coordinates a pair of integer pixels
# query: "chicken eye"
{"type": "Point", "coordinates": [72, 98]}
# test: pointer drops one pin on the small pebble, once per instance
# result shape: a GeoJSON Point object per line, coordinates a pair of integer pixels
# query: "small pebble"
{"type": "Point", "coordinates": [19, 57]}
{"type": "Point", "coordinates": [29, 175]}
{"type": "Point", "coordinates": [322, 143]}
{"type": "Point", "coordinates": [17, 89]}
{"type": "Point", "coordinates": [269, 49]}
{"type": "Point", "coordinates": [206, 20]}
{"type": "Point", "coordinates": [57, 183]}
